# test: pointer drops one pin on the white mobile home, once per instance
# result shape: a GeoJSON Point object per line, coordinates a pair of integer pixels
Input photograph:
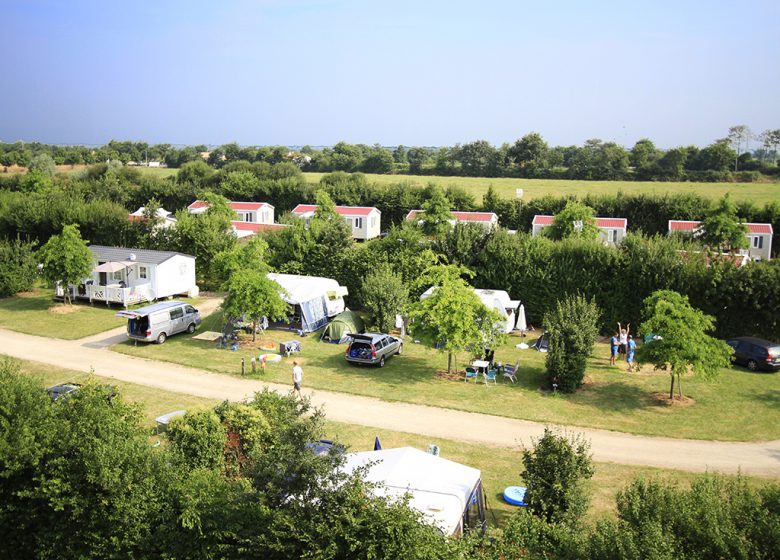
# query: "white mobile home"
{"type": "Point", "coordinates": [493, 299]}
{"type": "Point", "coordinates": [611, 230]}
{"type": "Point", "coordinates": [447, 494]}
{"type": "Point", "coordinates": [313, 299]}
{"type": "Point", "coordinates": [488, 220]}
{"type": "Point", "coordinates": [129, 276]}
{"type": "Point", "coordinates": [364, 221]}
{"type": "Point", "coordinates": [759, 237]}
{"type": "Point", "coordinates": [250, 218]}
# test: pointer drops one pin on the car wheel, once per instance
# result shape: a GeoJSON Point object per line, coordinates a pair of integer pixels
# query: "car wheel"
{"type": "Point", "coordinates": [752, 365]}
{"type": "Point", "coordinates": [161, 338]}
{"type": "Point", "coordinates": [400, 349]}
{"type": "Point", "coordinates": [191, 328]}
{"type": "Point", "coordinates": [382, 361]}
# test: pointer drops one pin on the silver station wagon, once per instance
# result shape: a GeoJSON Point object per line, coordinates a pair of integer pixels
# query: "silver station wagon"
{"type": "Point", "coordinates": [372, 348]}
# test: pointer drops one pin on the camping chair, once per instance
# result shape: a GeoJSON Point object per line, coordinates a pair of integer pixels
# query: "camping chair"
{"type": "Point", "coordinates": [510, 372]}
{"type": "Point", "coordinates": [471, 373]}
{"type": "Point", "coordinates": [490, 375]}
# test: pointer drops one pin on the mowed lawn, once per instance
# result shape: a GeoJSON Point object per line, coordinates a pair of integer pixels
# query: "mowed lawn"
{"type": "Point", "coordinates": [500, 466]}
{"type": "Point", "coordinates": [38, 313]}
{"type": "Point", "coordinates": [738, 406]}
{"type": "Point", "coordinates": [758, 193]}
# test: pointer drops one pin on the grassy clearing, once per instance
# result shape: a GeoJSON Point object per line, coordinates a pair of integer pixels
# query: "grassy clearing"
{"type": "Point", "coordinates": [758, 193]}
{"type": "Point", "coordinates": [500, 466]}
{"type": "Point", "coordinates": [38, 313]}
{"type": "Point", "coordinates": [738, 406]}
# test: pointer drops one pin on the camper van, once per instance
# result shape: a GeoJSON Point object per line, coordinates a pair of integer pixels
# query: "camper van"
{"type": "Point", "coordinates": [155, 323]}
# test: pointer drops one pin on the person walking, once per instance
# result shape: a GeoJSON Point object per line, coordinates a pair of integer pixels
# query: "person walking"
{"type": "Point", "coordinates": [297, 378]}
{"type": "Point", "coordinates": [630, 353]}
{"type": "Point", "coordinates": [613, 349]}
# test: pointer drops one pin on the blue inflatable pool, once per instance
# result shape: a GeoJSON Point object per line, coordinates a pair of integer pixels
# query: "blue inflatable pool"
{"type": "Point", "coordinates": [515, 495]}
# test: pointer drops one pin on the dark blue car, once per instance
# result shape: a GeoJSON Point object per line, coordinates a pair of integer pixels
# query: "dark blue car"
{"type": "Point", "coordinates": [755, 353]}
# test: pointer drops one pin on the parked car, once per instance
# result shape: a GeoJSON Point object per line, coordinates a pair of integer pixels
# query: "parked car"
{"type": "Point", "coordinates": [155, 323]}
{"type": "Point", "coordinates": [62, 391]}
{"type": "Point", "coordinates": [755, 353]}
{"type": "Point", "coordinates": [372, 348]}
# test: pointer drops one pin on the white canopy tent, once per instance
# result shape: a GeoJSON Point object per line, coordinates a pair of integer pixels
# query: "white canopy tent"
{"type": "Point", "coordinates": [447, 494]}
{"type": "Point", "coordinates": [494, 299]}
{"type": "Point", "coordinates": [113, 266]}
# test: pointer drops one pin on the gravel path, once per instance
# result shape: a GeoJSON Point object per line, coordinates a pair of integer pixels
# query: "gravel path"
{"type": "Point", "coordinates": [757, 458]}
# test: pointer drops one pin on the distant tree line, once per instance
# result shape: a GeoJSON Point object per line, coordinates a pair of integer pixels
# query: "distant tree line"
{"type": "Point", "coordinates": [726, 159]}
{"type": "Point", "coordinates": [35, 206]}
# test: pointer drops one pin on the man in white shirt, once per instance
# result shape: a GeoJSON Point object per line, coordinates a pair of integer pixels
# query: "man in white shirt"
{"type": "Point", "coordinates": [297, 378]}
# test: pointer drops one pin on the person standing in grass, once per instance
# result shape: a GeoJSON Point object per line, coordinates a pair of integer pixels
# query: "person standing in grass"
{"type": "Point", "coordinates": [630, 353]}
{"type": "Point", "coordinates": [297, 378]}
{"type": "Point", "coordinates": [613, 349]}
{"type": "Point", "coordinates": [623, 335]}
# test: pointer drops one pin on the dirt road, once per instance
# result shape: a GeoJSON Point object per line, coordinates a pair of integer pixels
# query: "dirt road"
{"type": "Point", "coordinates": [761, 458]}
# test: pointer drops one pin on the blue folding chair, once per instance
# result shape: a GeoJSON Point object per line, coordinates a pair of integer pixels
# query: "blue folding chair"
{"type": "Point", "coordinates": [471, 373]}
{"type": "Point", "coordinates": [490, 375]}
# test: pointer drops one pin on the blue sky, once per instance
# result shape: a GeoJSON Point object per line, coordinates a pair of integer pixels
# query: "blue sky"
{"type": "Point", "coordinates": [412, 72]}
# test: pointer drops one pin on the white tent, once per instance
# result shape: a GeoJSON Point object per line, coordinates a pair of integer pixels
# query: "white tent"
{"type": "Point", "coordinates": [318, 298]}
{"type": "Point", "coordinates": [493, 299]}
{"type": "Point", "coordinates": [447, 494]}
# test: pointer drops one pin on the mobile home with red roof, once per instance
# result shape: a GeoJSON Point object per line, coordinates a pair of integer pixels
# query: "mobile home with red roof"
{"type": "Point", "coordinates": [488, 220]}
{"type": "Point", "coordinates": [251, 217]}
{"type": "Point", "coordinates": [759, 236]}
{"type": "Point", "coordinates": [613, 230]}
{"type": "Point", "coordinates": [364, 221]}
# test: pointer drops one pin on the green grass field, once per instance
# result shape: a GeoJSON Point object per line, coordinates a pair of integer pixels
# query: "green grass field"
{"type": "Point", "coordinates": [758, 193]}
{"type": "Point", "coordinates": [738, 406]}
{"type": "Point", "coordinates": [38, 313]}
{"type": "Point", "coordinates": [500, 466]}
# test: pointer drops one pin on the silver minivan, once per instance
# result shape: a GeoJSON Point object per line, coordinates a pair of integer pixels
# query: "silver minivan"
{"type": "Point", "coordinates": [155, 323]}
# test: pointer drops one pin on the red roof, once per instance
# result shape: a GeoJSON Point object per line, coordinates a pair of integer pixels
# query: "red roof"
{"type": "Point", "coordinates": [620, 223]}
{"type": "Point", "coordinates": [198, 204]}
{"type": "Point", "coordinates": [248, 205]}
{"type": "Point", "coordinates": [343, 210]}
{"type": "Point", "coordinates": [461, 216]}
{"type": "Point", "coordinates": [135, 218]}
{"type": "Point", "coordinates": [691, 225]}
{"type": "Point", "coordinates": [760, 228]}
{"type": "Point", "coordinates": [248, 226]}
{"type": "Point", "coordinates": [683, 225]}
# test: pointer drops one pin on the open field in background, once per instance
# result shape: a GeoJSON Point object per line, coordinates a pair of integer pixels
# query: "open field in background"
{"type": "Point", "coordinates": [758, 193]}
{"type": "Point", "coordinates": [500, 466]}
{"type": "Point", "coordinates": [738, 406]}
{"type": "Point", "coordinates": [38, 313]}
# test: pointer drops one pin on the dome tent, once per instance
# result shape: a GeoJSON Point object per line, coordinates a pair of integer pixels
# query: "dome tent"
{"type": "Point", "coordinates": [342, 324]}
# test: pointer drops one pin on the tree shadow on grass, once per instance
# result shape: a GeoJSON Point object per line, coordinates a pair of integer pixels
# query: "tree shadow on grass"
{"type": "Point", "coordinates": [615, 396]}
{"type": "Point", "coordinates": [397, 370]}
{"type": "Point", "coordinates": [770, 397]}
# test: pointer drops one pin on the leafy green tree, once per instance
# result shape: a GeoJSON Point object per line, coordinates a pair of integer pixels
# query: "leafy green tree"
{"type": "Point", "coordinates": [408, 253]}
{"type": "Point", "coordinates": [572, 327]}
{"type": "Point", "coordinates": [205, 236]}
{"type": "Point", "coordinates": [418, 158]}
{"type": "Point", "coordinates": [18, 266]}
{"type": "Point", "coordinates": [252, 294]}
{"type": "Point", "coordinates": [463, 244]}
{"type": "Point", "coordinates": [739, 137]}
{"type": "Point", "coordinates": [199, 437]}
{"type": "Point", "coordinates": [556, 470]}
{"type": "Point", "coordinates": [722, 227]}
{"type": "Point", "coordinates": [378, 160]}
{"type": "Point", "coordinates": [453, 317]}
{"type": "Point", "coordinates": [684, 344]}
{"type": "Point", "coordinates": [671, 166]}
{"type": "Point", "coordinates": [716, 157]}
{"type": "Point", "coordinates": [575, 220]}
{"type": "Point", "coordinates": [643, 155]}
{"type": "Point", "coordinates": [43, 163]}
{"type": "Point", "coordinates": [436, 215]}
{"type": "Point", "coordinates": [479, 159]}
{"type": "Point", "coordinates": [66, 259]}
{"type": "Point", "coordinates": [530, 154]}
{"type": "Point", "coordinates": [326, 208]}
{"type": "Point", "coordinates": [384, 295]}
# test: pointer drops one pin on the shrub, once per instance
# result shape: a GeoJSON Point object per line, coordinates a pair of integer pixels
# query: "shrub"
{"type": "Point", "coordinates": [555, 472]}
{"type": "Point", "coordinates": [18, 266]}
{"type": "Point", "coordinates": [573, 327]}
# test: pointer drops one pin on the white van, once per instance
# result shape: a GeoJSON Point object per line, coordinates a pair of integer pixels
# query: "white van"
{"type": "Point", "coordinates": [159, 321]}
